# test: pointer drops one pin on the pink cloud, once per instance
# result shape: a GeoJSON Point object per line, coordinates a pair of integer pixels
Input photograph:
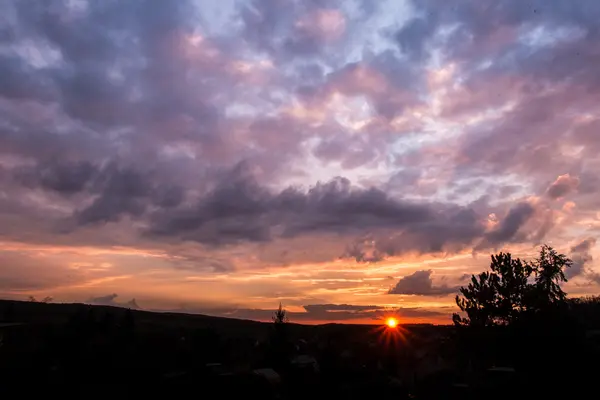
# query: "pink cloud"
{"type": "Point", "coordinates": [326, 24]}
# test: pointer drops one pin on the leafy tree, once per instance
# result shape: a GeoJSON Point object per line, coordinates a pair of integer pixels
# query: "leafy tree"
{"type": "Point", "coordinates": [549, 270]}
{"type": "Point", "coordinates": [478, 301]}
{"type": "Point", "coordinates": [513, 288]}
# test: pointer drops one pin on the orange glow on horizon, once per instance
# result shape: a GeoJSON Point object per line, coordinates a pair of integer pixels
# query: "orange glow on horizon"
{"type": "Point", "coordinates": [391, 333]}
{"type": "Point", "coordinates": [391, 323]}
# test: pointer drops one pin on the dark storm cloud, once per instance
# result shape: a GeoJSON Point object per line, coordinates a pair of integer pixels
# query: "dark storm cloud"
{"type": "Point", "coordinates": [168, 196]}
{"type": "Point", "coordinates": [62, 177]}
{"type": "Point", "coordinates": [580, 254]}
{"type": "Point", "coordinates": [451, 230]}
{"type": "Point", "coordinates": [20, 81]}
{"type": "Point", "coordinates": [239, 209]}
{"type": "Point", "coordinates": [421, 284]}
{"type": "Point", "coordinates": [126, 191]}
{"type": "Point", "coordinates": [119, 190]}
{"type": "Point", "coordinates": [111, 205]}
{"type": "Point", "coordinates": [507, 229]}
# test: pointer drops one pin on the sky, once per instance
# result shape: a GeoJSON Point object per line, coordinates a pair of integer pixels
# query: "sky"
{"type": "Point", "coordinates": [350, 159]}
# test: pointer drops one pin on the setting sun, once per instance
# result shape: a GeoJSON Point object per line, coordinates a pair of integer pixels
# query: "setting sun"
{"type": "Point", "coordinates": [391, 322]}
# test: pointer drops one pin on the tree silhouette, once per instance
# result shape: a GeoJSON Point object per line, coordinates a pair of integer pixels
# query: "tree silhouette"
{"type": "Point", "coordinates": [586, 310]}
{"type": "Point", "coordinates": [279, 348]}
{"type": "Point", "coordinates": [280, 316]}
{"type": "Point", "coordinates": [47, 299]}
{"type": "Point", "coordinates": [549, 269]}
{"type": "Point", "coordinates": [513, 288]}
{"type": "Point", "coordinates": [478, 301]}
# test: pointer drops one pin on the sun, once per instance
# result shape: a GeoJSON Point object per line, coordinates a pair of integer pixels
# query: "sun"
{"type": "Point", "coordinates": [391, 322]}
{"type": "Point", "coordinates": [390, 332]}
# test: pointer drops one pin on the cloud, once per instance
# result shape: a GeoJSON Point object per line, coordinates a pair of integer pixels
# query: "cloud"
{"type": "Point", "coordinates": [338, 307]}
{"type": "Point", "coordinates": [62, 177]}
{"type": "Point", "coordinates": [420, 284]}
{"type": "Point", "coordinates": [132, 304]}
{"type": "Point", "coordinates": [562, 186]}
{"type": "Point", "coordinates": [595, 277]}
{"type": "Point", "coordinates": [230, 137]}
{"type": "Point", "coordinates": [22, 271]}
{"type": "Point", "coordinates": [506, 229]}
{"type": "Point", "coordinates": [122, 191]}
{"type": "Point", "coordinates": [580, 253]}
{"type": "Point", "coordinates": [364, 251]}
{"type": "Point", "coordinates": [292, 30]}
{"type": "Point", "coordinates": [155, 97]}
{"type": "Point", "coordinates": [241, 209]}
{"type": "Point", "coordinates": [584, 246]}
{"type": "Point", "coordinates": [109, 300]}
{"type": "Point", "coordinates": [118, 190]}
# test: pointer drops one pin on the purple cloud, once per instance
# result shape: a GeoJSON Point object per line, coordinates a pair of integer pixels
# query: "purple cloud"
{"type": "Point", "coordinates": [420, 284]}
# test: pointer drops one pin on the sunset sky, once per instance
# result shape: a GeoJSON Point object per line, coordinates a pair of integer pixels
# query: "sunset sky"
{"type": "Point", "coordinates": [349, 159]}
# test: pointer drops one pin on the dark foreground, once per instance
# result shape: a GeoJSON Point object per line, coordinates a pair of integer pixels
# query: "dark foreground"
{"type": "Point", "coordinates": [95, 352]}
